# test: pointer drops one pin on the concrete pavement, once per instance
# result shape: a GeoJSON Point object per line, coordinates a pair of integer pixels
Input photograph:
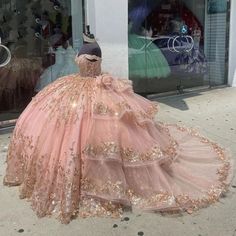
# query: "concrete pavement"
{"type": "Point", "coordinates": [213, 113]}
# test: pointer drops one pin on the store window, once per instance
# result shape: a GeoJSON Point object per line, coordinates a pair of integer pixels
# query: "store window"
{"type": "Point", "coordinates": [43, 37]}
{"type": "Point", "coordinates": [177, 44]}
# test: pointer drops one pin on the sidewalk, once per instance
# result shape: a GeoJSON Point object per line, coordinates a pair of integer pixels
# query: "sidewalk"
{"type": "Point", "coordinates": [213, 113]}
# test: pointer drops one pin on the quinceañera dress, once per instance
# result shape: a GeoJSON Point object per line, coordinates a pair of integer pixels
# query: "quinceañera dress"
{"type": "Point", "coordinates": [88, 145]}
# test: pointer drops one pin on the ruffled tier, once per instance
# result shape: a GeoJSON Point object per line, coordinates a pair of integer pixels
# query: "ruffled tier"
{"type": "Point", "coordinates": [90, 146]}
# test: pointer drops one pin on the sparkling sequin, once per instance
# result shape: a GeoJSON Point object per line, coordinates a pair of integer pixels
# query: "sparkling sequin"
{"type": "Point", "coordinates": [109, 149]}
{"type": "Point", "coordinates": [122, 107]}
{"type": "Point", "coordinates": [107, 188]}
{"type": "Point", "coordinates": [101, 109]}
{"type": "Point", "coordinates": [93, 207]}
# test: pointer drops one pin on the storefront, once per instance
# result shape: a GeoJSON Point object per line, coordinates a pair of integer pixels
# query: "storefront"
{"type": "Point", "coordinates": [165, 45]}
{"type": "Point", "coordinates": [177, 44]}
{"type": "Point", "coordinates": [161, 45]}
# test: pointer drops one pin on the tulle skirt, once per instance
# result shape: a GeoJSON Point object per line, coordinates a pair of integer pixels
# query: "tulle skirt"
{"type": "Point", "coordinates": [91, 146]}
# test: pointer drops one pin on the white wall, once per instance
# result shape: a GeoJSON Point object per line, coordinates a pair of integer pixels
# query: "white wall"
{"type": "Point", "coordinates": [232, 46]}
{"type": "Point", "coordinates": [108, 20]}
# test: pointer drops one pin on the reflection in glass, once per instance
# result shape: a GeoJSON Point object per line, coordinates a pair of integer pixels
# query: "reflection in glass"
{"type": "Point", "coordinates": [145, 58]}
{"type": "Point", "coordinates": [5, 54]}
{"type": "Point", "coordinates": [168, 44]}
{"type": "Point", "coordinates": [39, 36]}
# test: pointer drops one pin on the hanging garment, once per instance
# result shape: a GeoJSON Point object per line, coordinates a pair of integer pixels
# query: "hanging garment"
{"type": "Point", "coordinates": [69, 67]}
{"type": "Point", "coordinates": [52, 72]}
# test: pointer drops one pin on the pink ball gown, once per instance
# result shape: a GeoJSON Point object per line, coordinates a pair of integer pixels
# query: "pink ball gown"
{"type": "Point", "coordinates": [88, 145]}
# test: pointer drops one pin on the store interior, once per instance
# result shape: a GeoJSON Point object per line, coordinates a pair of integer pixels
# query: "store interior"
{"type": "Point", "coordinates": [174, 44]}
{"type": "Point", "coordinates": [38, 34]}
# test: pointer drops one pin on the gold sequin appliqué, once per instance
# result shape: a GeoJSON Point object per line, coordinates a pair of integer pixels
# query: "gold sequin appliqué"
{"type": "Point", "coordinates": [118, 109]}
{"type": "Point", "coordinates": [178, 202]}
{"type": "Point", "coordinates": [109, 149]}
{"type": "Point", "coordinates": [107, 188]}
{"type": "Point", "coordinates": [94, 207]}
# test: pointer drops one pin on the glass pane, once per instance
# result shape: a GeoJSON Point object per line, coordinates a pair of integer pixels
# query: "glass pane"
{"type": "Point", "coordinates": [176, 44]}
{"type": "Point", "coordinates": [42, 44]}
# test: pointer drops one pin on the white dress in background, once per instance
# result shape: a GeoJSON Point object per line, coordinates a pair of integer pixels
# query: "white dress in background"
{"type": "Point", "coordinates": [70, 67]}
{"type": "Point", "coordinates": [52, 72]}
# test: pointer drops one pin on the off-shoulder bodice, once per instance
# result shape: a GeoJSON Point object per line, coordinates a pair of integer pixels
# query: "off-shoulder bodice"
{"type": "Point", "coordinates": [89, 68]}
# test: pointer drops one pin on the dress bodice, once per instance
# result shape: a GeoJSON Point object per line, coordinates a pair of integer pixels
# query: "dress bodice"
{"type": "Point", "coordinates": [87, 66]}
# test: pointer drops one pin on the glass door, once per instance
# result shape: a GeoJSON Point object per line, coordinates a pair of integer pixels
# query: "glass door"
{"type": "Point", "coordinates": [171, 43]}
{"type": "Point", "coordinates": [42, 37]}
